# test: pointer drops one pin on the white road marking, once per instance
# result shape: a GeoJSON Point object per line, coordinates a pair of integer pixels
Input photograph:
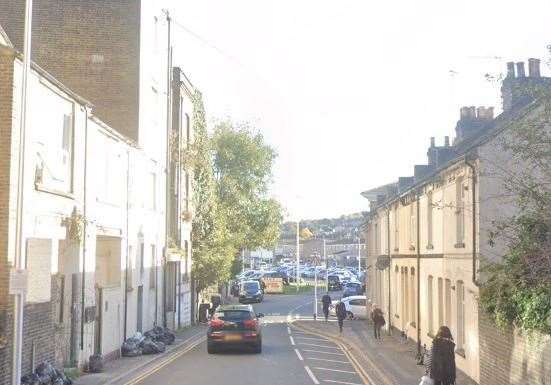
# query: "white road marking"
{"type": "Point", "coordinates": [328, 360]}
{"type": "Point", "coordinates": [299, 355]}
{"type": "Point", "coordinates": [319, 351]}
{"type": "Point", "coordinates": [337, 370]}
{"type": "Point", "coordinates": [342, 382]}
{"type": "Point", "coordinates": [292, 340]}
{"type": "Point", "coordinates": [319, 346]}
{"type": "Point", "coordinates": [312, 377]}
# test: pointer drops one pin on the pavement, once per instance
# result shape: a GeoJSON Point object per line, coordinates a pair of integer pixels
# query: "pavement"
{"type": "Point", "coordinates": [389, 361]}
{"type": "Point", "coordinates": [297, 350]}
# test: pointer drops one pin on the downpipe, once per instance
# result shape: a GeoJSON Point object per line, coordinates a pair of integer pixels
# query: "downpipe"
{"type": "Point", "coordinates": [418, 278]}
{"type": "Point", "coordinates": [473, 208]}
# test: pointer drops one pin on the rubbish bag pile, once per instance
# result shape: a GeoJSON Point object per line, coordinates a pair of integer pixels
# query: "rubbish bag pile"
{"type": "Point", "coordinates": [151, 342]}
{"type": "Point", "coordinates": [46, 374]}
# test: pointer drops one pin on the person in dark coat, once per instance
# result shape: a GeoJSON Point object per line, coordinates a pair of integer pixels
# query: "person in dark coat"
{"type": "Point", "coordinates": [441, 361]}
{"type": "Point", "coordinates": [325, 302]}
{"type": "Point", "coordinates": [378, 319]}
{"type": "Point", "coordinates": [341, 314]}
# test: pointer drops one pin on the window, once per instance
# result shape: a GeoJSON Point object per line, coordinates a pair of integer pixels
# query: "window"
{"type": "Point", "coordinates": [153, 269]}
{"type": "Point", "coordinates": [460, 212]}
{"type": "Point", "coordinates": [430, 305]}
{"type": "Point", "coordinates": [440, 302]}
{"type": "Point", "coordinates": [396, 230]}
{"type": "Point", "coordinates": [412, 226]}
{"type": "Point", "coordinates": [429, 219]}
{"type": "Point", "coordinates": [413, 297]}
{"type": "Point", "coordinates": [188, 130]}
{"type": "Point", "coordinates": [460, 338]}
{"type": "Point", "coordinates": [142, 267]}
{"type": "Point", "coordinates": [377, 239]}
{"type": "Point", "coordinates": [357, 302]}
{"type": "Point", "coordinates": [406, 296]}
{"type": "Point", "coordinates": [448, 293]}
{"type": "Point", "coordinates": [396, 288]}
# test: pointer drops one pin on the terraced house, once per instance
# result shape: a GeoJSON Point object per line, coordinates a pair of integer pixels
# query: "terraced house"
{"type": "Point", "coordinates": [108, 210]}
{"type": "Point", "coordinates": [428, 232]}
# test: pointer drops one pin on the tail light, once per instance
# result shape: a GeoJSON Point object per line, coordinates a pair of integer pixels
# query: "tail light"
{"type": "Point", "coordinates": [250, 324]}
{"type": "Point", "coordinates": [216, 324]}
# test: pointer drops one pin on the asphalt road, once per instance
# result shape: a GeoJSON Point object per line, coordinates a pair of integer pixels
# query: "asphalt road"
{"type": "Point", "coordinates": [289, 357]}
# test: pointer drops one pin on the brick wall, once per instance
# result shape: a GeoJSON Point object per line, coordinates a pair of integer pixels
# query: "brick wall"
{"type": "Point", "coordinates": [92, 46]}
{"type": "Point", "coordinates": [506, 357]}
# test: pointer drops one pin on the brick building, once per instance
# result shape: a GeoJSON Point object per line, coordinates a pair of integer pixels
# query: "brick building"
{"type": "Point", "coordinates": [427, 234]}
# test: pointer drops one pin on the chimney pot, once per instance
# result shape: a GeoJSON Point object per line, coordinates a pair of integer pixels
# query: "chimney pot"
{"type": "Point", "coordinates": [463, 112]}
{"type": "Point", "coordinates": [534, 68]}
{"type": "Point", "coordinates": [432, 141]}
{"type": "Point", "coordinates": [520, 70]}
{"type": "Point", "coordinates": [510, 69]}
{"type": "Point", "coordinates": [446, 141]}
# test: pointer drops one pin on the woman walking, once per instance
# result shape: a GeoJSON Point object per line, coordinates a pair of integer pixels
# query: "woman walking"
{"type": "Point", "coordinates": [440, 363]}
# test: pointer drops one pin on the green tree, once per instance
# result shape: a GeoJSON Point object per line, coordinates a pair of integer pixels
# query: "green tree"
{"type": "Point", "coordinates": [212, 251]}
{"type": "Point", "coordinates": [243, 171]}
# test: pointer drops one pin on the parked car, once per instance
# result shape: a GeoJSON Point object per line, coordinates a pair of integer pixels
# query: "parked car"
{"type": "Point", "coordinates": [352, 288]}
{"type": "Point", "coordinates": [356, 306]}
{"type": "Point", "coordinates": [334, 283]}
{"type": "Point", "coordinates": [250, 291]}
{"type": "Point", "coordinates": [277, 274]}
{"type": "Point", "coordinates": [234, 326]}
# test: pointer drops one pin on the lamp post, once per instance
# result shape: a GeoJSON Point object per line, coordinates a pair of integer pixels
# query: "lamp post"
{"type": "Point", "coordinates": [359, 255]}
{"type": "Point", "coordinates": [298, 256]}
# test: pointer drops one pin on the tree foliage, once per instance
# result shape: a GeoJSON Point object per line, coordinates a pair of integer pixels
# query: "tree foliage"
{"type": "Point", "coordinates": [232, 174]}
{"type": "Point", "coordinates": [518, 290]}
{"type": "Point", "coordinates": [243, 170]}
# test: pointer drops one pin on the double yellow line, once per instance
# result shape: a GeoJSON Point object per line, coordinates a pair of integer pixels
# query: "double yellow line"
{"type": "Point", "coordinates": [167, 361]}
{"type": "Point", "coordinates": [366, 378]}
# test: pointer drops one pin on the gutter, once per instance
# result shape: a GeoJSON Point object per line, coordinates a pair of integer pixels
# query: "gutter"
{"type": "Point", "coordinates": [474, 239]}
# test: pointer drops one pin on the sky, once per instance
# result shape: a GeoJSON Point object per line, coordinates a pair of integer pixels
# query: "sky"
{"type": "Point", "coordinates": [349, 92]}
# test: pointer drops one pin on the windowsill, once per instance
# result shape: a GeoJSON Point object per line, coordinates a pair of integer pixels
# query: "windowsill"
{"type": "Point", "coordinates": [40, 187]}
{"type": "Point", "coordinates": [430, 247]}
{"type": "Point", "coordinates": [460, 352]}
{"type": "Point", "coordinates": [107, 203]}
{"type": "Point", "coordinates": [459, 245]}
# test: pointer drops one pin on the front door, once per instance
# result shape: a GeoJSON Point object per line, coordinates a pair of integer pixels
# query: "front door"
{"type": "Point", "coordinates": [139, 325]}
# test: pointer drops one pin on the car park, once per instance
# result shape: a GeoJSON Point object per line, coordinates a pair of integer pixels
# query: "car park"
{"type": "Point", "coordinates": [235, 326]}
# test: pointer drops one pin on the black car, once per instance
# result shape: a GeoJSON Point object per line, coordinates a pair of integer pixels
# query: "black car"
{"type": "Point", "coordinates": [334, 282]}
{"type": "Point", "coordinates": [250, 291]}
{"type": "Point", "coordinates": [234, 326]}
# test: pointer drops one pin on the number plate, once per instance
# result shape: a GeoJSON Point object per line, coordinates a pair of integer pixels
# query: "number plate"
{"type": "Point", "coordinates": [232, 337]}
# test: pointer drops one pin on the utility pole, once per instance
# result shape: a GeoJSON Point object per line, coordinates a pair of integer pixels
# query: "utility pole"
{"type": "Point", "coordinates": [315, 288]}
{"type": "Point", "coordinates": [20, 257]}
{"type": "Point", "coordinates": [298, 256]}
{"type": "Point", "coordinates": [359, 254]}
{"type": "Point", "coordinates": [326, 266]}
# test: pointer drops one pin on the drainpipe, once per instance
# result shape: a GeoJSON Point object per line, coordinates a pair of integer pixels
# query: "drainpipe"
{"type": "Point", "coordinates": [474, 239]}
{"type": "Point", "coordinates": [82, 298]}
{"type": "Point", "coordinates": [418, 277]}
{"type": "Point", "coordinates": [389, 269]}
{"type": "Point", "coordinates": [126, 264]}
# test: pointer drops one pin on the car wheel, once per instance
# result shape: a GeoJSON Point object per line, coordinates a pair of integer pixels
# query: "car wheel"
{"type": "Point", "coordinates": [349, 315]}
{"type": "Point", "coordinates": [211, 349]}
{"type": "Point", "coordinates": [258, 347]}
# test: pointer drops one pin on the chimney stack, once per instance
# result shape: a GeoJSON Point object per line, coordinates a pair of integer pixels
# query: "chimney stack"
{"type": "Point", "coordinates": [464, 113]}
{"type": "Point", "coordinates": [472, 112]}
{"type": "Point", "coordinates": [520, 70]}
{"type": "Point", "coordinates": [534, 68]}
{"type": "Point", "coordinates": [484, 113]}
{"type": "Point", "coordinates": [510, 69]}
{"type": "Point", "coordinates": [432, 142]}
{"type": "Point", "coordinates": [446, 141]}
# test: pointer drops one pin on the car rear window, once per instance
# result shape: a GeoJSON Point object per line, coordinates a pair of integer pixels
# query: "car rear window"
{"type": "Point", "coordinates": [233, 315]}
{"type": "Point", "coordinates": [333, 278]}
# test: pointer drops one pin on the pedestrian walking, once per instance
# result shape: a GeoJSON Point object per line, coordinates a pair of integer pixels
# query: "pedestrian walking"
{"type": "Point", "coordinates": [378, 319]}
{"type": "Point", "coordinates": [325, 302]}
{"type": "Point", "coordinates": [440, 361]}
{"type": "Point", "coordinates": [341, 314]}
